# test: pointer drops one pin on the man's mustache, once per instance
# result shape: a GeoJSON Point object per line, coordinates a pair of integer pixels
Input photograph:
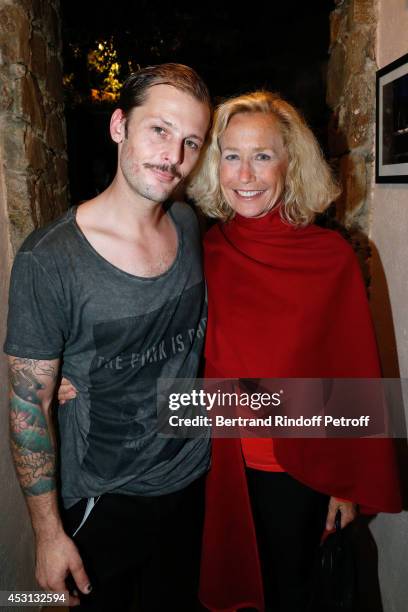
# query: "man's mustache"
{"type": "Point", "coordinates": [170, 169]}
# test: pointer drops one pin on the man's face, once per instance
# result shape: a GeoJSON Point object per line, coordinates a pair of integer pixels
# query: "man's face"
{"type": "Point", "coordinates": [163, 142]}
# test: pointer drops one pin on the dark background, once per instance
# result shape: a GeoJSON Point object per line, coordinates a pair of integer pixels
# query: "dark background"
{"type": "Point", "coordinates": [282, 46]}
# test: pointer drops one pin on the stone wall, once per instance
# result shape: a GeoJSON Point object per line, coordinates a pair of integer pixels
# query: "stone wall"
{"type": "Point", "coordinates": [32, 127]}
{"type": "Point", "coordinates": [351, 96]}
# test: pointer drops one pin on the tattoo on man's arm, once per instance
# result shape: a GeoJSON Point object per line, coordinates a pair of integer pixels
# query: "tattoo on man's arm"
{"type": "Point", "coordinates": [31, 438]}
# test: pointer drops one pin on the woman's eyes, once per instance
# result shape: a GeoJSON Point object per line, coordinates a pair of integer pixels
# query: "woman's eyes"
{"type": "Point", "coordinates": [258, 157]}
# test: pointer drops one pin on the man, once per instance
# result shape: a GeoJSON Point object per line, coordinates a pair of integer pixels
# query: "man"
{"type": "Point", "coordinates": [114, 292]}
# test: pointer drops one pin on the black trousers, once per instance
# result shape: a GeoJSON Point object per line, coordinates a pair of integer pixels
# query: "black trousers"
{"type": "Point", "coordinates": [141, 553]}
{"type": "Point", "coordinates": [289, 520]}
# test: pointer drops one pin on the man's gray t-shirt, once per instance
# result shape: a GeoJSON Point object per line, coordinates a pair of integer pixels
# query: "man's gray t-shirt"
{"type": "Point", "coordinates": [116, 334]}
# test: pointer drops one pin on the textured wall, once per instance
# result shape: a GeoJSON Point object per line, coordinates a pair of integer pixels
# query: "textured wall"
{"type": "Point", "coordinates": [389, 227]}
{"type": "Point", "coordinates": [32, 191]}
{"type": "Point", "coordinates": [351, 96]}
{"type": "Point", "coordinates": [32, 130]}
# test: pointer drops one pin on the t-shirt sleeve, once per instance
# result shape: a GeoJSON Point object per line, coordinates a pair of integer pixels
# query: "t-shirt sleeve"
{"type": "Point", "coordinates": [36, 322]}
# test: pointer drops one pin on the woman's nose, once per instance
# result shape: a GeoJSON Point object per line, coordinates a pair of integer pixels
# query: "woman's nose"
{"type": "Point", "coordinates": [246, 173]}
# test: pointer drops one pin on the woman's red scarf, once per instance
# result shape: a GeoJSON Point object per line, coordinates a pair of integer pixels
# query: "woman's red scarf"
{"type": "Point", "coordinates": [284, 302]}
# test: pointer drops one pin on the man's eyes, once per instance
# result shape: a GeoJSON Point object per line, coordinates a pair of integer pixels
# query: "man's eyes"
{"type": "Point", "coordinates": [159, 130]}
{"type": "Point", "coordinates": [191, 144]}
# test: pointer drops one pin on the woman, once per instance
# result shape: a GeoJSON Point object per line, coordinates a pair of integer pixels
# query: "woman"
{"type": "Point", "coordinates": [286, 300]}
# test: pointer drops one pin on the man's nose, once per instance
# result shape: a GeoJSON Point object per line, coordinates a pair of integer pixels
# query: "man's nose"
{"type": "Point", "coordinates": [174, 153]}
{"type": "Point", "coordinates": [246, 172]}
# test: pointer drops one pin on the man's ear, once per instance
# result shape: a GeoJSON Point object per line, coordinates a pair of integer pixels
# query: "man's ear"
{"type": "Point", "coordinates": [117, 125]}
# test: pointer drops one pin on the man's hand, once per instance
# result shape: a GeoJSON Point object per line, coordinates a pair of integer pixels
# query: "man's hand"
{"type": "Point", "coordinates": [66, 391]}
{"type": "Point", "coordinates": [57, 557]}
{"type": "Point", "coordinates": [347, 509]}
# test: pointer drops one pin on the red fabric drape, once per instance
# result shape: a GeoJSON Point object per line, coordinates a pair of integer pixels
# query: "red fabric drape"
{"type": "Point", "coordinates": [284, 302]}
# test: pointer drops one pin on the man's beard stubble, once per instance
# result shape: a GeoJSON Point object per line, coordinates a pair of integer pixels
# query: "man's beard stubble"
{"type": "Point", "coordinates": [147, 191]}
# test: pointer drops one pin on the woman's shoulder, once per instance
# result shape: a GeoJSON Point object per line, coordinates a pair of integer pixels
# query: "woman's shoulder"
{"type": "Point", "coordinates": [331, 239]}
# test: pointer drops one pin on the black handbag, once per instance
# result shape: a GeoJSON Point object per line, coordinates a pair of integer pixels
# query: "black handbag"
{"type": "Point", "coordinates": [334, 576]}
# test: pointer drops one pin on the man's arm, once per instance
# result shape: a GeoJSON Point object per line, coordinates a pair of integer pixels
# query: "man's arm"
{"type": "Point", "coordinates": [33, 447]}
{"type": "Point", "coordinates": [32, 388]}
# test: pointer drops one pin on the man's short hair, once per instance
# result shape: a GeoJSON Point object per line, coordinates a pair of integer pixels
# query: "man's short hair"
{"type": "Point", "coordinates": [135, 89]}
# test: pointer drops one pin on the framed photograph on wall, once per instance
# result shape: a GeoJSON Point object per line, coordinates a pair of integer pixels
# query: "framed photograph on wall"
{"type": "Point", "coordinates": [391, 163]}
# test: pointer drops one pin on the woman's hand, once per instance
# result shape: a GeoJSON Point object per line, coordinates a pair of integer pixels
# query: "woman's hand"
{"type": "Point", "coordinates": [348, 512]}
{"type": "Point", "coordinates": [66, 391]}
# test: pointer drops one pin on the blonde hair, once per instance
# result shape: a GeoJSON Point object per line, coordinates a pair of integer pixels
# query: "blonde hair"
{"type": "Point", "coordinates": [309, 186]}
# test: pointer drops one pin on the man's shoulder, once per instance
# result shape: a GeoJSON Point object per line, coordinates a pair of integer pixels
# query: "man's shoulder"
{"type": "Point", "coordinates": [50, 239]}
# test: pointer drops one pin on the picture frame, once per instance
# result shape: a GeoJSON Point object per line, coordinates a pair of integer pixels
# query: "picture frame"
{"type": "Point", "coordinates": [391, 151]}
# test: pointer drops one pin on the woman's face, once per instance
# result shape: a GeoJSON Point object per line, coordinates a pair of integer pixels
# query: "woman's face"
{"type": "Point", "coordinates": [253, 164]}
